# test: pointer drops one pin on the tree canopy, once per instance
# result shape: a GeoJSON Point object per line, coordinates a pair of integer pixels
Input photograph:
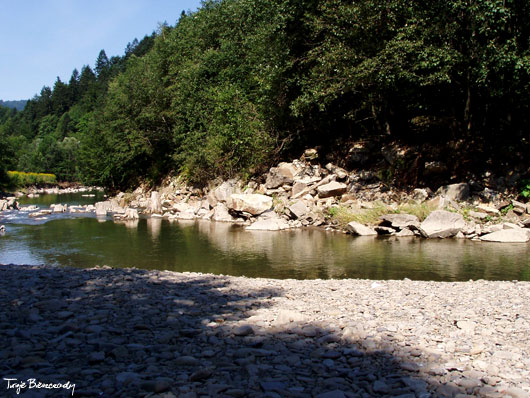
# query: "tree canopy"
{"type": "Point", "coordinates": [238, 84]}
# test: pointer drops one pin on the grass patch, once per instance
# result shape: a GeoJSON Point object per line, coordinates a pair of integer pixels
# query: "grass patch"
{"type": "Point", "coordinates": [342, 215]}
{"type": "Point", "coordinates": [420, 210]}
{"type": "Point", "coordinates": [21, 179]}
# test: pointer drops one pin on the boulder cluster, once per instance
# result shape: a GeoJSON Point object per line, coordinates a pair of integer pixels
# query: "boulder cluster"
{"type": "Point", "coordinates": [301, 193]}
{"type": "Point", "coordinates": [9, 203]}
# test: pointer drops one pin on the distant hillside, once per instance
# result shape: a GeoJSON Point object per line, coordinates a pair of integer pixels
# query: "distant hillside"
{"type": "Point", "coordinates": [18, 105]}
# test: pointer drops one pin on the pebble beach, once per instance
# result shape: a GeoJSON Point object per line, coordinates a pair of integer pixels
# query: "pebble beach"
{"type": "Point", "coordinates": [148, 333]}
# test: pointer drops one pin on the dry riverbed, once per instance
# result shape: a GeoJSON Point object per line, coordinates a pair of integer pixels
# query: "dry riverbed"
{"type": "Point", "coordinates": [138, 333]}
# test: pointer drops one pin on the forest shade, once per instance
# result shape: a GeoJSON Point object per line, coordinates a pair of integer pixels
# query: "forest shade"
{"type": "Point", "coordinates": [239, 84]}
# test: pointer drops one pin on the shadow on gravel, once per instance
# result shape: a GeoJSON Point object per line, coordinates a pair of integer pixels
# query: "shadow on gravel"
{"type": "Point", "coordinates": [136, 333]}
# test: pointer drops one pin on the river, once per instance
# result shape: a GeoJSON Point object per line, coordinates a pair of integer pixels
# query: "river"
{"type": "Point", "coordinates": [82, 240]}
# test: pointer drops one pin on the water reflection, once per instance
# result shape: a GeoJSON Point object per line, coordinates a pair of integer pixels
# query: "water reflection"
{"type": "Point", "coordinates": [338, 256]}
{"type": "Point", "coordinates": [225, 249]}
{"type": "Point", "coordinates": [131, 224]}
{"type": "Point", "coordinates": [84, 198]}
{"type": "Point", "coordinates": [154, 226]}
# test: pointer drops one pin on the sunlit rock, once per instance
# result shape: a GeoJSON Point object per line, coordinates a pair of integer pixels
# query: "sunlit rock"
{"type": "Point", "coordinates": [359, 229]}
{"type": "Point", "coordinates": [458, 192]}
{"type": "Point", "coordinates": [333, 188]}
{"type": "Point", "coordinates": [442, 224]}
{"type": "Point", "coordinates": [254, 204]}
{"type": "Point", "coordinates": [520, 235]}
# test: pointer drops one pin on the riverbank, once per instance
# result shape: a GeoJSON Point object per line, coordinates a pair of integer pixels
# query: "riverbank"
{"type": "Point", "coordinates": [304, 193]}
{"type": "Point", "coordinates": [129, 332]}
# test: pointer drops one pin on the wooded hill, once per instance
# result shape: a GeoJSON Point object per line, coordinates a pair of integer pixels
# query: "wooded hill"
{"type": "Point", "coordinates": [18, 105]}
{"type": "Point", "coordinates": [232, 88]}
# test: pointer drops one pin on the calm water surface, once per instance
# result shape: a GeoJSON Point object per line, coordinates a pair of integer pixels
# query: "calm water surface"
{"type": "Point", "coordinates": [220, 248]}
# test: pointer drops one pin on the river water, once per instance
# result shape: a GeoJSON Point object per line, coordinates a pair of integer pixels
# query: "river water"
{"type": "Point", "coordinates": [83, 240]}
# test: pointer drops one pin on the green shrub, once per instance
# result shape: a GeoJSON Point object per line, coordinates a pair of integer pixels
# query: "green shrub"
{"type": "Point", "coordinates": [525, 189]}
{"type": "Point", "coordinates": [20, 179]}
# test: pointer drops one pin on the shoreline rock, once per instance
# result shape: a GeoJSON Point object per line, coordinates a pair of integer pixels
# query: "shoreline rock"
{"type": "Point", "coordinates": [302, 193]}
{"type": "Point", "coordinates": [442, 224]}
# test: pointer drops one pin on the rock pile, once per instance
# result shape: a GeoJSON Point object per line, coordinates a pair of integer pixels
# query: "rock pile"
{"type": "Point", "coordinates": [9, 203]}
{"type": "Point", "coordinates": [302, 193]}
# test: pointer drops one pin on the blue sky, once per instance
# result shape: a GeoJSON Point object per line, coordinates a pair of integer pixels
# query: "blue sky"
{"type": "Point", "coordinates": [43, 39]}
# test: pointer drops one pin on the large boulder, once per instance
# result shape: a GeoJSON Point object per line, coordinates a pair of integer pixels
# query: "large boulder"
{"type": "Point", "coordinates": [186, 215]}
{"type": "Point", "coordinates": [9, 204]}
{"type": "Point", "coordinates": [212, 199]}
{"type": "Point", "coordinates": [110, 206]}
{"type": "Point", "coordinates": [298, 209]}
{"type": "Point", "coordinates": [400, 221]}
{"type": "Point", "coordinates": [58, 208]}
{"type": "Point", "coordinates": [103, 207]}
{"type": "Point", "coordinates": [405, 232]}
{"type": "Point", "coordinates": [519, 208]}
{"type": "Point", "coordinates": [223, 192]}
{"type": "Point", "coordinates": [333, 188]}
{"type": "Point", "coordinates": [519, 235]}
{"type": "Point", "coordinates": [155, 205]}
{"type": "Point", "coordinates": [458, 192]}
{"type": "Point", "coordinates": [283, 174]}
{"type": "Point", "coordinates": [253, 203]}
{"type": "Point", "coordinates": [359, 229]}
{"type": "Point", "coordinates": [442, 224]}
{"type": "Point", "coordinates": [131, 214]}
{"type": "Point", "coordinates": [298, 187]}
{"type": "Point", "coordinates": [220, 213]}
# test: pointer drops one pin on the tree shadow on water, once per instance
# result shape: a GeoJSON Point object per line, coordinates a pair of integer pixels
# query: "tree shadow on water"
{"type": "Point", "coordinates": [137, 333]}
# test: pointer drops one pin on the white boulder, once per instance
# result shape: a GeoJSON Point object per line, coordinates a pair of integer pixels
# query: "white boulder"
{"type": "Point", "coordinates": [220, 213]}
{"type": "Point", "coordinates": [359, 229]}
{"type": "Point", "coordinates": [516, 235]}
{"type": "Point", "coordinates": [458, 192]}
{"type": "Point", "coordinates": [442, 224]}
{"type": "Point", "coordinates": [333, 188]}
{"type": "Point", "coordinates": [253, 203]}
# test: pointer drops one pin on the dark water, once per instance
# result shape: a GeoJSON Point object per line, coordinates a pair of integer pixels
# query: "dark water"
{"type": "Point", "coordinates": [224, 249]}
{"type": "Point", "coordinates": [85, 198]}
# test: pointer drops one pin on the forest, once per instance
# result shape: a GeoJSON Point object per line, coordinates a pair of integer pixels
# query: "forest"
{"type": "Point", "coordinates": [234, 87]}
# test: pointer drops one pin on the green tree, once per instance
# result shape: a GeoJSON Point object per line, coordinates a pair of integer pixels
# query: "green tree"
{"type": "Point", "coordinates": [5, 157]}
{"type": "Point", "coordinates": [61, 97]}
{"type": "Point", "coordinates": [102, 65]}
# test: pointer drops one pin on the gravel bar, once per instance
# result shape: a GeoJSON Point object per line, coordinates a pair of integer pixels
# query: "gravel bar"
{"type": "Point", "coordinates": [148, 333]}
